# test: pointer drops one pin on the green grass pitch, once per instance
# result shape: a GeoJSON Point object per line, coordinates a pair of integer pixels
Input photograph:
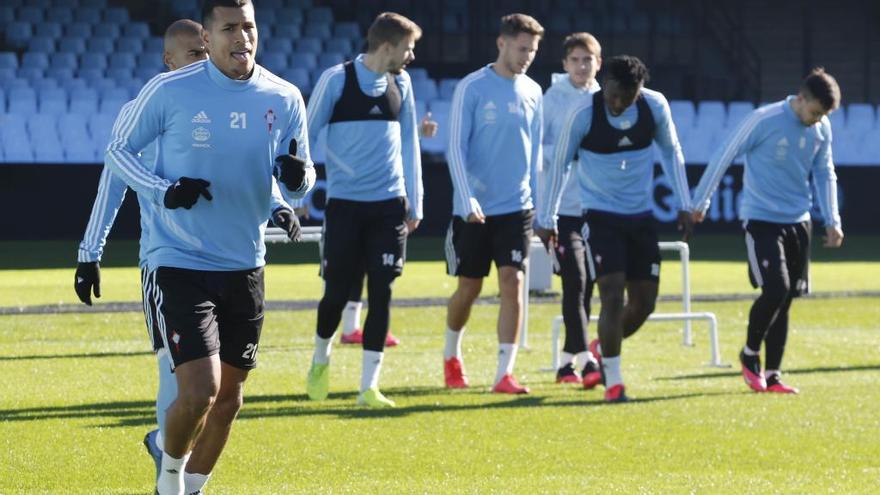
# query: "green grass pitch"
{"type": "Point", "coordinates": [77, 397]}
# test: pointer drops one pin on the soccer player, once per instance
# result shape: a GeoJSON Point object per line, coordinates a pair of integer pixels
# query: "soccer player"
{"type": "Point", "coordinates": [218, 124]}
{"type": "Point", "coordinates": [493, 155]}
{"type": "Point", "coordinates": [352, 333]}
{"type": "Point", "coordinates": [582, 60]}
{"type": "Point", "coordinates": [374, 190]}
{"type": "Point", "coordinates": [612, 134]}
{"type": "Point", "coordinates": [783, 144]}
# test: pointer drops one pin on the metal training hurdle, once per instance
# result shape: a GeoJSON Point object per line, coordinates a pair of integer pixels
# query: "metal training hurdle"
{"type": "Point", "coordinates": [686, 314]}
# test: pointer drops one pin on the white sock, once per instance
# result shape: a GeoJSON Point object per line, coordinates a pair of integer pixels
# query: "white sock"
{"type": "Point", "coordinates": [160, 442]}
{"type": "Point", "coordinates": [351, 317]}
{"type": "Point", "coordinates": [372, 365]}
{"type": "Point", "coordinates": [582, 358]}
{"type": "Point", "coordinates": [749, 352]}
{"type": "Point", "coordinates": [322, 350]}
{"type": "Point", "coordinates": [599, 348]}
{"type": "Point", "coordinates": [611, 366]}
{"type": "Point", "coordinates": [769, 373]}
{"type": "Point", "coordinates": [453, 343]}
{"type": "Point", "coordinates": [565, 358]}
{"type": "Point", "coordinates": [170, 480]}
{"type": "Point", "coordinates": [195, 482]}
{"type": "Point", "coordinates": [506, 360]}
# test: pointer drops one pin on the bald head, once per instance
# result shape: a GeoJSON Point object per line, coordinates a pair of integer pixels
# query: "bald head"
{"type": "Point", "coordinates": [183, 44]}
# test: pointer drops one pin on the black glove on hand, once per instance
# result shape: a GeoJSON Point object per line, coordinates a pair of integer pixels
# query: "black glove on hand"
{"type": "Point", "coordinates": [185, 192]}
{"type": "Point", "coordinates": [288, 221]}
{"type": "Point", "coordinates": [290, 169]}
{"type": "Point", "coordinates": [88, 275]}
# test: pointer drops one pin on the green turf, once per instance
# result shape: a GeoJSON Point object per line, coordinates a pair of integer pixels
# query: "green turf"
{"type": "Point", "coordinates": [76, 399]}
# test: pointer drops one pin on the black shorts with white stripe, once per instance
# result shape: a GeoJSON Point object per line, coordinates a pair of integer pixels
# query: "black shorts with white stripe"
{"type": "Point", "coordinates": [779, 255]}
{"type": "Point", "coordinates": [472, 247]}
{"type": "Point", "coordinates": [150, 312]}
{"type": "Point", "coordinates": [621, 244]}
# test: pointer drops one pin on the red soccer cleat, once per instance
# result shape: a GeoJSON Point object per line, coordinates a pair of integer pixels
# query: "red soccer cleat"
{"type": "Point", "coordinates": [616, 393]}
{"type": "Point", "coordinates": [454, 373]}
{"type": "Point", "coordinates": [356, 337]}
{"type": "Point", "coordinates": [775, 385]}
{"type": "Point", "coordinates": [509, 385]}
{"type": "Point", "coordinates": [567, 374]}
{"type": "Point", "coordinates": [751, 371]}
{"type": "Point", "coordinates": [591, 375]}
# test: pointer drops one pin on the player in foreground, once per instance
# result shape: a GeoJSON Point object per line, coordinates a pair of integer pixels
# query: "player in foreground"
{"type": "Point", "coordinates": [783, 144]}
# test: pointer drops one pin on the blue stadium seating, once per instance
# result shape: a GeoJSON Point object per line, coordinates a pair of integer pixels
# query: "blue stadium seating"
{"type": "Point", "coordinates": [65, 3]}
{"type": "Point", "coordinates": [16, 83]}
{"type": "Point", "coordinates": [339, 45]}
{"type": "Point", "coordinates": [39, 123]}
{"type": "Point", "coordinates": [93, 60]}
{"type": "Point", "coordinates": [100, 127]}
{"type": "Point", "coordinates": [19, 33]}
{"type": "Point", "coordinates": [130, 45]}
{"type": "Point", "coordinates": [35, 59]}
{"type": "Point", "coordinates": [277, 45]}
{"type": "Point", "coordinates": [88, 15]}
{"type": "Point", "coordinates": [303, 60]}
{"type": "Point", "coordinates": [122, 61]}
{"type": "Point", "coordinates": [327, 60]}
{"type": "Point", "coordinates": [119, 73]}
{"type": "Point", "coordinates": [116, 15]}
{"type": "Point", "coordinates": [29, 14]}
{"type": "Point", "coordinates": [309, 45]}
{"type": "Point", "coordinates": [154, 45]}
{"type": "Point", "coordinates": [289, 16]}
{"type": "Point", "coordinates": [289, 31]}
{"type": "Point", "coordinates": [7, 15]}
{"type": "Point", "coordinates": [2, 100]}
{"type": "Point", "coordinates": [40, 85]}
{"type": "Point", "coordinates": [8, 60]}
{"type": "Point", "coordinates": [111, 31]}
{"type": "Point", "coordinates": [64, 61]}
{"type": "Point", "coordinates": [447, 87]}
{"type": "Point", "coordinates": [78, 30]}
{"type": "Point", "coordinates": [838, 120]}
{"type": "Point", "coordinates": [683, 115]}
{"type": "Point", "coordinates": [53, 102]}
{"type": "Point", "coordinates": [104, 46]}
{"type": "Point", "coordinates": [41, 44]}
{"type": "Point", "coordinates": [6, 74]}
{"type": "Point", "coordinates": [299, 78]}
{"type": "Point", "coordinates": [319, 15]}
{"type": "Point", "coordinates": [62, 15]}
{"type": "Point", "coordinates": [319, 31]}
{"type": "Point", "coordinates": [84, 101]}
{"type": "Point", "coordinates": [42, 4]}
{"type": "Point", "coordinates": [136, 30]}
{"type": "Point", "coordinates": [90, 74]}
{"type": "Point", "coordinates": [737, 111]}
{"type": "Point", "coordinates": [349, 30]}
{"type": "Point", "coordinates": [425, 89]}
{"type": "Point", "coordinates": [859, 118]}
{"type": "Point", "coordinates": [275, 62]}
{"type": "Point", "coordinates": [93, 3]}
{"type": "Point", "coordinates": [711, 114]}
{"type": "Point", "coordinates": [417, 73]}
{"type": "Point", "coordinates": [30, 73]}
{"type": "Point", "coordinates": [48, 29]}
{"type": "Point", "coordinates": [72, 45]}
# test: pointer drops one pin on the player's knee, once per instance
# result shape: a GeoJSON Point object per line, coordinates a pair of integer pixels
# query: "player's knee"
{"type": "Point", "coordinates": [227, 407]}
{"type": "Point", "coordinates": [469, 288]}
{"type": "Point", "coordinates": [197, 400]}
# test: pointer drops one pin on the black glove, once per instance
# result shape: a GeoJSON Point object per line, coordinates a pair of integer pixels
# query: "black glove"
{"type": "Point", "coordinates": [88, 275]}
{"type": "Point", "coordinates": [286, 219]}
{"type": "Point", "coordinates": [290, 169]}
{"type": "Point", "coordinates": [185, 192]}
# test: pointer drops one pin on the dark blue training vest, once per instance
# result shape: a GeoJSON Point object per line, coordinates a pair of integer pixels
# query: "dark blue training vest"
{"type": "Point", "coordinates": [605, 139]}
{"type": "Point", "coordinates": [354, 105]}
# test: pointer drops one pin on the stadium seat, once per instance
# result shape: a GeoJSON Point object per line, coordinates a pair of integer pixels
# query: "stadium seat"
{"type": "Point", "coordinates": [53, 101]}
{"type": "Point", "coordinates": [147, 73]}
{"type": "Point", "coordinates": [72, 45]}
{"type": "Point", "coordinates": [698, 146]}
{"type": "Point", "coordinates": [30, 73]}
{"type": "Point", "coordinates": [711, 114]}
{"type": "Point", "coordinates": [62, 15]}
{"type": "Point", "coordinates": [2, 100]}
{"type": "Point", "coordinates": [8, 60]}
{"type": "Point", "coordinates": [424, 89]}
{"type": "Point", "coordinates": [319, 31]}
{"type": "Point", "coordinates": [151, 60]}
{"type": "Point", "coordinates": [100, 127]}
{"type": "Point", "coordinates": [289, 31]}
{"type": "Point", "coordinates": [847, 148]}
{"type": "Point", "coordinates": [289, 16]}
{"type": "Point", "coordinates": [78, 30]}
{"type": "Point", "coordinates": [48, 29]}
{"type": "Point", "coordinates": [88, 15]}
{"type": "Point", "coordinates": [84, 101]}
{"type": "Point", "coordinates": [41, 4]}
{"type": "Point", "coordinates": [309, 45]}
{"type": "Point", "coordinates": [327, 60]}
{"type": "Point", "coordinates": [301, 4]}
{"type": "Point", "coordinates": [118, 73]}
{"type": "Point", "coordinates": [122, 61]}
{"type": "Point", "coordinates": [70, 83]}
{"type": "Point", "coordinates": [7, 15]}
{"type": "Point", "coordinates": [67, 4]}
{"type": "Point", "coordinates": [683, 115]}
{"type": "Point", "coordinates": [116, 15]}
{"type": "Point", "coordinates": [737, 111]}
{"type": "Point", "coordinates": [90, 74]}
{"type": "Point", "coordinates": [275, 62]}
{"type": "Point", "coordinates": [299, 78]}
{"type": "Point", "coordinates": [36, 59]}
{"type": "Point", "coordinates": [15, 83]}
{"type": "Point", "coordinates": [6, 74]}
{"type": "Point", "coordinates": [132, 85]}
{"type": "Point", "coordinates": [301, 60]}
{"type": "Point", "coordinates": [64, 77]}
{"type": "Point", "coordinates": [100, 4]}
{"type": "Point", "coordinates": [40, 123]}
{"type": "Point", "coordinates": [339, 45]}
{"type": "Point", "coordinates": [104, 46]}
{"type": "Point", "coordinates": [130, 45]}
{"type": "Point", "coordinates": [348, 30]}
{"type": "Point", "coordinates": [155, 45]}
{"type": "Point", "coordinates": [18, 149]}
{"type": "Point", "coordinates": [421, 109]}
{"type": "Point", "coordinates": [41, 44]}
{"type": "Point", "coordinates": [18, 34]}
{"type": "Point", "coordinates": [859, 118]}
{"type": "Point", "coordinates": [47, 148]}
{"type": "Point", "coordinates": [80, 151]}
{"type": "Point", "coordinates": [319, 15]}
{"type": "Point", "coordinates": [93, 60]}
{"type": "Point", "coordinates": [64, 61]}
{"type": "Point", "coordinates": [417, 73]}
{"type": "Point", "coordinates": [112, 31]}
{"type": "Point", "coordinates": [447, 88]}
{"type": "Point", "coordinates": [113, 105]}
{"type": "Point", "coordinates": [33, 15]}
{"type": "Point", "coordinates": [272, 4]}
{"type": "Point", "coordinates": [278, 45]}
{"type": "Point", "coordinates": [40, 85]}
{"type": "Point", "coordinates": [838, 120]}
{"type": "Point", "coordinates": [136, 30]}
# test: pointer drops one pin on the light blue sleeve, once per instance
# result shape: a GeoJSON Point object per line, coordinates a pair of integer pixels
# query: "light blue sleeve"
{"type": "Point", "coordinates": [670, 149]}
{"type": "Point", "coordinates": [537, 149]}
{"type": "Point", "coordinates": [576, 126]}
{"type": "Point", "coordinates": [825, 180]}
{"type": "Point", "coordinates": [327, 92]}
{"type": "Point", "coordinates": [460, 122]}
{"type": "Point", "coordinates": [111, 193]}
{"type": "Point", "coordinates": [737, 143]}
{"type": "Point", "coordinates": [298, 130]}
{"type": "Point", "coordinates": [136, 126]}
{"type": "Point", "coordinates": [411, 152]}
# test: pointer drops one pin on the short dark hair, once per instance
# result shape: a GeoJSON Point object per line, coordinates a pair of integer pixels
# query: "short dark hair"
{"type": "Point", "coordinates": [581, 40]}
{"type": "Point", "coordinates": [183, 27]}
{"type": "Point", "coordinates": [513, 24]}
{"type": "Point", "coordinates": [209, 5]}
{"type": "Point", "coordinates": [627, 70]}
{"type": "Point", "coordinates": [822, 86]}
{"type": "Point", "coordinates": [390, 27]}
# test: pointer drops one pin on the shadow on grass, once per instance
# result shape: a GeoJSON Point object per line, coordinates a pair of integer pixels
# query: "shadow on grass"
{"type": "Point", "coordinates": [142, 413]}
{"type": "Point", "coordinates": [75, 356]}
{"type": "Point", "coordinates": [797, 371]}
